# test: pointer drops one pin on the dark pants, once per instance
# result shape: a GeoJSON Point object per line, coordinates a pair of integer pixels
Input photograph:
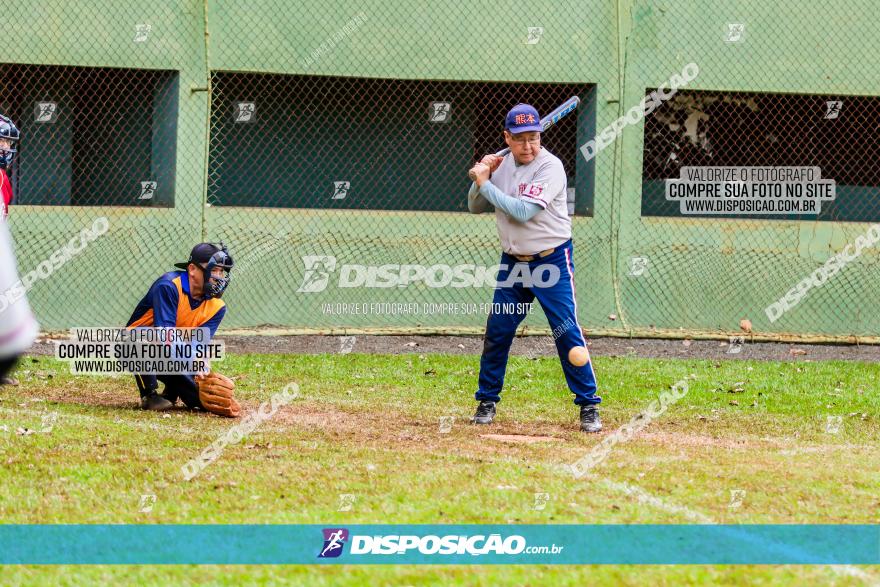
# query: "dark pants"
{"type": "Point", "coordinates": [558, 302]}
{"type": "Point", "coordinates": [6, 365]}
{"type": "Point", "coordinates": [176, 386]}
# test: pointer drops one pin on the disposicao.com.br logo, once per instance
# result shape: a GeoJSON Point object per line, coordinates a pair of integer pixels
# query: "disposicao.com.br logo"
{"type": "Point", "coordinates": [319, 268]}
{"type": "Point", "coordinates": [453, 544]}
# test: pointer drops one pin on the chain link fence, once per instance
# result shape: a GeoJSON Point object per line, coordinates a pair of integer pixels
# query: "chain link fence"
{"type": "Point", "coordinates": [778, 86]}
{"type": "Point", "coordinates": [292, 141]}
{"type": "Point", "coordinates": [711, 129]}
{"type": "Point", "coordinates": [93, 136]}
{"type": "Point", "coordinates": [370, 169]}
{"type": "Point", "coordinates": [328, 147]}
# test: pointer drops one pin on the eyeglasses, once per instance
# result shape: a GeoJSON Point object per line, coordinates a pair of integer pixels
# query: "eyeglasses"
{"type": "Point", "coordinates": [532, 140]}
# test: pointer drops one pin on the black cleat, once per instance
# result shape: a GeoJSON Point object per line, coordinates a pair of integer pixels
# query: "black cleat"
{"type": "Point", "coordinates": [590, 421]}
{"type": "Point", "coordinates": [155, 402]}
{"type": "Point", "coordinates": [485, 413]}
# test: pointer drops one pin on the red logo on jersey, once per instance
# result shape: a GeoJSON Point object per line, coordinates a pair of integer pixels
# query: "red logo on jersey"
{"type": "Point", "coordinates": [533, 190]}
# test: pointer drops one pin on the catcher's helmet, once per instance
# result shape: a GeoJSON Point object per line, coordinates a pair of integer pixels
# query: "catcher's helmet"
{"type": "Point", "coordinates": [10, 132]}
{"type": "Point", "coordinates": [215, 256]}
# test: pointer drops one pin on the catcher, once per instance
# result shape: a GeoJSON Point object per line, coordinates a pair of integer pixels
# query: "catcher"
{"type": "Point", "coordinates": [189, 299]}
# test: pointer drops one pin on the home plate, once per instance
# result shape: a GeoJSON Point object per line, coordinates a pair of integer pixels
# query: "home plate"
{"type": "Point", "coordinates": [519, 438]}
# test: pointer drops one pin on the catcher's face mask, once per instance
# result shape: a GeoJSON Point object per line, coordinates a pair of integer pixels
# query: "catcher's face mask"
{"type": "Point", "coordinates": [215, 285]}
{"type": "Point", "coordinates": [10, 135]}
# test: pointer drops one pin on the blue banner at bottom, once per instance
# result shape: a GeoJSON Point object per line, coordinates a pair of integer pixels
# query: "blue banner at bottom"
{"type": "Point", "coordinates": [440, 544]}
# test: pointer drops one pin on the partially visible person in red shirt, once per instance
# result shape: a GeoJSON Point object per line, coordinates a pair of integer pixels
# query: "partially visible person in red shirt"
{"type": "Point", "coordinates": [9, 136]}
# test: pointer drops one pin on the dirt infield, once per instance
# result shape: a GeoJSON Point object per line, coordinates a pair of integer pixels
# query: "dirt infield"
{"type": "Point", "coordinates": [537, 346]}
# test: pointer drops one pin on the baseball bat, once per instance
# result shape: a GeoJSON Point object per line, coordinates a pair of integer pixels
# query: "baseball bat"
{"type": "Point", "coordinates": [555, 116]}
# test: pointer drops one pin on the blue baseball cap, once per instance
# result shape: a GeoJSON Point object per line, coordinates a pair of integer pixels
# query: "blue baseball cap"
{"type": "Point", "coordinates": [522, 118]}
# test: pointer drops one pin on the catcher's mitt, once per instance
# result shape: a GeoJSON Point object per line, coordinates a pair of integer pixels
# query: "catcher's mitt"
{"type": "Point", "coordinates": [215, 393]}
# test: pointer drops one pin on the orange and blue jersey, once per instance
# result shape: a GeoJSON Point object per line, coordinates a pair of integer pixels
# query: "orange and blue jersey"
{"type": "Point", "coordinates": [169, 304]}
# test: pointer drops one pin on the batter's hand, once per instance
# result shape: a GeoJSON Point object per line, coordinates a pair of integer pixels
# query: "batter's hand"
{"type": "Point", "coordinates": [480, 173]}
{"type": "Point", "coordinates": [493, 161]}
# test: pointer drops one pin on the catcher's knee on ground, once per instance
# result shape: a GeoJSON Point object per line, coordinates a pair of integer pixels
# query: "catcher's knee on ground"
{"type": "Point", "coordinates": [183, 387]}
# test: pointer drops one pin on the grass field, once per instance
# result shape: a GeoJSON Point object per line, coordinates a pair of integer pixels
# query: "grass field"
{"type": "Point", "coordinates": [368, 426]}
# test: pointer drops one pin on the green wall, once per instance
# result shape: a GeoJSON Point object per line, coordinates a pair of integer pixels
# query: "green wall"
{"type": "Point", "coordinates": [703, 274]}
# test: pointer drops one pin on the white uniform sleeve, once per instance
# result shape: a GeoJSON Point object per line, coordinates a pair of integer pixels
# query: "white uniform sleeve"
{"type": "Point", "coordinates": [477, 204]}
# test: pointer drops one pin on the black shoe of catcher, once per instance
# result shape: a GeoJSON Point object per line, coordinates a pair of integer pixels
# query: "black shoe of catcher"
{"type": "Point", "coordinates": [590, 421]}
{"type": "Point", "coordinates": [485, 413]}
{"type": "Point", "coordinates": [155, 402]}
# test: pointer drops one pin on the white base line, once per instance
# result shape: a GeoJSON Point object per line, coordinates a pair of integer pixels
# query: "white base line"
{"type": "Point", "coordinates": [644, 497]}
